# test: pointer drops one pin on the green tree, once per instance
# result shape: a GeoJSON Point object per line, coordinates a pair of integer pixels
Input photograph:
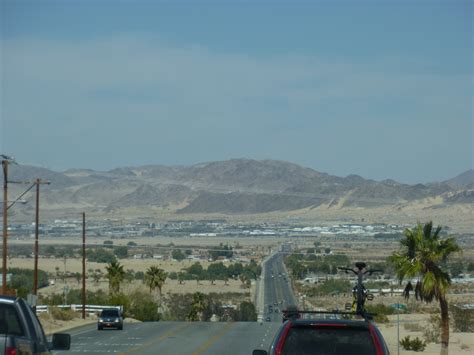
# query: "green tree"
{"type": "Point", "coordinates": [155, 278]}
{"type": "Point", "coordinates": [100, 255]}
{"type": "Point", "coordinates": [422, 252]}
{"type": "Point", "coordinates": [217, 271]}
{"type": "Point", "coordinates": [247, 312]}
{"type": "Point", "coordinates": [121, 252]}
{"type": "Point", "coordinates": [177, 254]}
{"type": "Point", "coordinates": [196, 270]}
{"type": "Point", "coordinates": [115, 275]}
{"type": "Point", "coordinates": [143, 307]}
{"type": "Point", "coordinates": [298, 270]}
{"type": "Point", "coordinates": [470, 266]}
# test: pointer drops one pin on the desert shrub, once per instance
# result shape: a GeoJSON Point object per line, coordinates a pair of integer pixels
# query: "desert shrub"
{"type": "Point", "coordinates": [330, 286]}
{"type": "Point", "coordinates": [22, 280]}
{"type": "Point", "coordinates": [63, 314]}
{"type": "Point", "coordinates": [247, 312]}
{"type": "Point", "coordinates": [463, 319]}
{"type": "Point", "coordinates": [143, 307]}
{"type": "Point", "coordinates": [413, 327]}
{"type": "Point", "coordinates": [178, 307]}
{"type": "Point", "coordinates": [140, 275]}
{"type": "Point", "coordinates": [381, 318]}
{"type": "Point", "coordinates": [120, 299]}
{"type": "Point", "coordinates": [432, 332]}
{"type": "Point", "coordinates": [415, 344]}
{"type": "Point", "coordinates": [100, 255]}
{"type": "Point", "coordinates": [381, 311]}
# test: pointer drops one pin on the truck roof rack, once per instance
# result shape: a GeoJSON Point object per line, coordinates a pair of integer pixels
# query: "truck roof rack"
{"type": "Point", "coordinates": [365, 315]}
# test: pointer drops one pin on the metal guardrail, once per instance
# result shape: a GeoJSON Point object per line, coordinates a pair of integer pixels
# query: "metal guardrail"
{"type": "Point", "coordinates": [76, 308]}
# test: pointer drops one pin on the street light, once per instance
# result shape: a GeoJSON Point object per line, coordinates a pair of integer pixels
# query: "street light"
{"type": "Point", "coordinates": [12, 202]}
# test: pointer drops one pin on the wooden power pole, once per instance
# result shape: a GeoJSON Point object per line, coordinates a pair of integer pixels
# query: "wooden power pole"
{"type": "Point", "coordinates": [5, 229]}
{"type": "Point", "coordinates": [37, 182]}
{"type": "Point", "coordinates": [83, 265]}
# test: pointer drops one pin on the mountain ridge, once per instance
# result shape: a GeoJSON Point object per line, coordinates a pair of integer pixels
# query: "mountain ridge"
{"type": "Point", "coordinates": [232, 187]}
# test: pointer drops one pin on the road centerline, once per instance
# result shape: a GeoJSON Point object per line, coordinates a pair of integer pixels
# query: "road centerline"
{"type": "Point", "coordinates": [156, 339]}
{"type": "Point", "coordinates": [213, 339]}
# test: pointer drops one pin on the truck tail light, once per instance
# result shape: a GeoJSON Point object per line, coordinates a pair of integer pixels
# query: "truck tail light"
{"type": "Point", "coordinates": [11, 351]}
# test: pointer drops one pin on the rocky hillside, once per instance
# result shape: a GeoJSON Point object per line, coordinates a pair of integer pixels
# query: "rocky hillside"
{"type": "Point", "coordinates": [239, 186]}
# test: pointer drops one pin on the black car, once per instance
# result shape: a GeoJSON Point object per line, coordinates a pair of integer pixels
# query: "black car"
{"type": "Point", "coordinates": [328, 337]}
{"type": "Point", "coordinates": [110, 318]}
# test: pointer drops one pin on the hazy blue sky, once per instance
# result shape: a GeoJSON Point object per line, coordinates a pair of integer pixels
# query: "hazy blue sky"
{"type": "Point", "coordinates": [383, 89]}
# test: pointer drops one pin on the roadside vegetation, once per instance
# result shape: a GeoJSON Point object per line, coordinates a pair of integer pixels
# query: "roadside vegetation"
{"type": "Point", "coordinates": [148, 304]}
{"type": "Point", "coordinates": [218, 271]}
{"type": "Point", "coordinates": [143, 306]}
{"type": "Point", "coordinates": [422, 254]}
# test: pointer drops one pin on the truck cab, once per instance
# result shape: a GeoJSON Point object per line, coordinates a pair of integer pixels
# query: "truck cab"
{"type": "Point", "coordinates": [21, 331]}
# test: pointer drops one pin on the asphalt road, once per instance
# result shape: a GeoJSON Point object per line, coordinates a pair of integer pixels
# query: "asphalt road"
{"type": "Point", "coordinates": [194, 338]}
{"type": "Point", "coordinates": [278, 292]}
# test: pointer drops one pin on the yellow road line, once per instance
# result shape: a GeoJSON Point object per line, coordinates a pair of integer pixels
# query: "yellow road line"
{"type": "Point", "coordinates": [157, 339]}
{"type": "Point", "coordinates": [212, 340]}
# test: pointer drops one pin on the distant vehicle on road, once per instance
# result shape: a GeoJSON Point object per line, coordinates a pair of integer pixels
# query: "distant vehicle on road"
{"type": "Point", "coordinates": [110, 318]}
{"type": "Point", "coordinates": [268, 319]}
{"type": "Point", "coordinates": [21, 331]}
{"type": "Point", "coordinates": [327, 336]}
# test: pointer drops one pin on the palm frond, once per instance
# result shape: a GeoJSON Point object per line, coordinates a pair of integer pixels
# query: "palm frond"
{"type": "Point", "coordinates": [407, 290]}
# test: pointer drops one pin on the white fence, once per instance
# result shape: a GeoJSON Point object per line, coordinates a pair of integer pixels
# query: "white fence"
{"type": "Point", "coordinates": [76, 307]}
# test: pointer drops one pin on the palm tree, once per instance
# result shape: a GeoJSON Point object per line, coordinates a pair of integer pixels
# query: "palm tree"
{"type": "Point", "coordinates": [421, 254]}
{"type": "Point", "coordinates": [197, 307]}
{"type": "Point", "coordinates": [115, 274]}
{"type": "Point", "coordinates": [155, 278]}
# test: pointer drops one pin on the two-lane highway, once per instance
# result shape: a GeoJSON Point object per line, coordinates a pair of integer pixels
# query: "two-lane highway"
{"type": "Point", "coordinates": [193, 338]}
{"type": "Point", "coordinates": [278, 291]}
{"type": "Point", "coordinates": [196, 338]}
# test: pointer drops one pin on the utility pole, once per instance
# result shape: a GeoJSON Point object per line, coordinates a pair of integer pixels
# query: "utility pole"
{"type": "Point", "coordinates": [5, 229]}
{"type": "Point", "coordinates": [83, 265]}
{"type": "Point", "coordinates": [5, 161]}
{"type": "Point", "coordinates": [38, 182]}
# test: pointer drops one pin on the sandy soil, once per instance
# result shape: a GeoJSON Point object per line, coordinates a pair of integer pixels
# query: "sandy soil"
{"type": "Point", "coordinates": [459, 343]}
{"type": "Point", "coordinates": [75, 265]}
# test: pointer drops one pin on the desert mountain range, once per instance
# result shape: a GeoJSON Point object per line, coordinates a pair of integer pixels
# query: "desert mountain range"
{"type": "Point", "coordinates": [238, 186]}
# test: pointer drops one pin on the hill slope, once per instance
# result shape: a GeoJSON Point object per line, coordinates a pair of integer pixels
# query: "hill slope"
{"type": "Point", "coordinates": [238, 186]}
